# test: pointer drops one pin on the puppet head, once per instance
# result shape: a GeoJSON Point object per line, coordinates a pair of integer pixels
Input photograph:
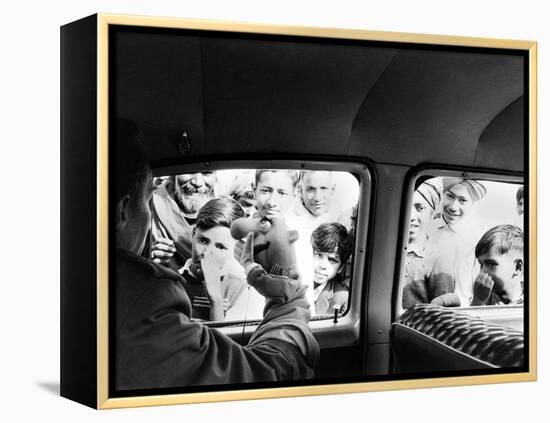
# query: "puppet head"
{"type": "Point", "coordinates": [273, 241]}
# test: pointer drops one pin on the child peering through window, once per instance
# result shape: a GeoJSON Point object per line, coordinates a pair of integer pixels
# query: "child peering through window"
{"type": "Point", "coordinates": [331, 249]}
{"type": "Point", "coordinates": [500, 255]}
{"type": "Point", "coordinates": [213, 280]}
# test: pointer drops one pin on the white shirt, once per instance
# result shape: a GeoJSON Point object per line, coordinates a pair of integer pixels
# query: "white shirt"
{"type": "Point", "coordinates": [305, 224]}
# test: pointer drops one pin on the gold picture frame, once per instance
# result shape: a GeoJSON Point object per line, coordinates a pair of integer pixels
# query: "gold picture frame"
{"type": "Point", "coordinates": [90, 36]}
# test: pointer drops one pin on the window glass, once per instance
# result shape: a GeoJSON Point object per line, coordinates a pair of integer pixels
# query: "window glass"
{"type": "Point", "coordinates": [303, 223]}
{"type": "Point", "coordinates": [464, 243]}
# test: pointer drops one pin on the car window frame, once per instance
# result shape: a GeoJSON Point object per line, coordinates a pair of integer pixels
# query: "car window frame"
{"type": "Point", "coordinates": [443, 171]}
{"type": "Point", "coordinates": [348, 325]}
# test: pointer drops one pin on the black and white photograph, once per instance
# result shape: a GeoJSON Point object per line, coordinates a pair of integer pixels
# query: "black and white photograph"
{"type": "Point", "coordinates": [290, 211]}
{"type": "Point", "coordinates": [286, 211]}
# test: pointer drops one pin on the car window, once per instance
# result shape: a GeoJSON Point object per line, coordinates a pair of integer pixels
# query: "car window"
{"type": "Point", "coordinates": [192, 212]}
{"type": "Point", "coordinates": [463, 245]}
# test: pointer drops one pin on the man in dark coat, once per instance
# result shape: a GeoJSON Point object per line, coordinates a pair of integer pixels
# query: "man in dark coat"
{"type": "Point", "coordinates": [157, 343]}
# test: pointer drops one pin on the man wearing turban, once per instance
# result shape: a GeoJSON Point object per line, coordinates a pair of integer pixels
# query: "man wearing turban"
{"type": "Point", "coordinates": [453, 243]}
{"type": "Point", "coordinates": [459, 195]}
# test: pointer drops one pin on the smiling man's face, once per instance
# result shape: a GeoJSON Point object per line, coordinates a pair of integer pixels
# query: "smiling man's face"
{"type": "Point", "coordinates": [456, 204]}
{"type": "Point", "coordinates": [193, 190]}
{"type": "Point", "coordinates": [316, 189]}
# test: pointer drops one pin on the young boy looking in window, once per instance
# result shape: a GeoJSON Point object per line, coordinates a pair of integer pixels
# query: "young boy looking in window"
{"type": "Point", "coordinates": [213, 279]}
{"type": "Point", "coordinates": [275, 192]}
{"type": "Point", "coordinates": [275, 199]}
{"type": "Point", "coordinates": [500, 255]}
{"type": "Point", "coordinates": [331, 250]}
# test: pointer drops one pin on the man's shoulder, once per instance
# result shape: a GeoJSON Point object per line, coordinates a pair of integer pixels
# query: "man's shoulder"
{"type": "Point", "coordinates": [142, 286]}
{"type": "Point", "coordinates": [132, 264]}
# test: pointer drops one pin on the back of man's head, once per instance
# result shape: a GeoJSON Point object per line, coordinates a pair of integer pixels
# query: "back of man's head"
{"type": "Point", "coordinates": [131, 164]}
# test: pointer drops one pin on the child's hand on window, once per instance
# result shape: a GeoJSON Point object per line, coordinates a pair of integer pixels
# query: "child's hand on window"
{"type": "Point", "coordinates": [483, 286]}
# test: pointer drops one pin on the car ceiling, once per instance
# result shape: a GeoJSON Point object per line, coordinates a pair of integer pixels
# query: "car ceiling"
{"type": "Point", "coordinates": [250, 94]}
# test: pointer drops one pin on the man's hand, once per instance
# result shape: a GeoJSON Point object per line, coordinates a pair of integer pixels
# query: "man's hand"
{"type": "Point", "coordinates": [244, 251]}
{"type": "Point", "coordinates": [483, 286]}
{"type": "Point", "coordinates": [163, 250]}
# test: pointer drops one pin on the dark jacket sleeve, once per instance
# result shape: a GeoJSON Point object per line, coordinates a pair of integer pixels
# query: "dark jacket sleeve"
{"type": "Point", "coordinates": [286, 313]}
{"type": "Point", "coordinates": [158, 346]}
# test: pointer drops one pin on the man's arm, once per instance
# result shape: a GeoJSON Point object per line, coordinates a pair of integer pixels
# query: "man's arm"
{"type": "Point", "coordinates": [286, 312]}
{"type": "Point", "coordinates": [158, 345]}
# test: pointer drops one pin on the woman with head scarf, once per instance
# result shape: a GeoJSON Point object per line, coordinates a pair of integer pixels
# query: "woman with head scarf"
{"type": "Point", "coordinates": [422, 284]}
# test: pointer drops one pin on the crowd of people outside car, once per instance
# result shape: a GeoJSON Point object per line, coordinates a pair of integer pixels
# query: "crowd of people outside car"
{"type": "Point", "coordinates": [304, 199]}
{"type": "Point", "coordinates": [441, 262]}
{"type": "Point", "coordinates": [449, 262]}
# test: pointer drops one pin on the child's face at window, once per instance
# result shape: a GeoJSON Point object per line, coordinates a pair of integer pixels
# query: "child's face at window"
{"type": "Point", "coordinates": [520, 206]}
{"type": "Point", "coordinates": [456, 203]}
{"type": "Point", "coordinates": [325, 266]}
{"type": "Point", "coordinates": [218, 239]}
{"type": "Point", "coordinates": [316, 189]}
{"type": "Point", "coordinates": [274, 194]}
{"type": "Point", "coordinates": [421, 215]}
{"type": "Point", "coordinates": [506, 270]}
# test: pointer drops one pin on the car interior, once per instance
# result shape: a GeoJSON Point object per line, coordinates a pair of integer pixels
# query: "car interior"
{"type": "Point", "coordinates": [387, 116]}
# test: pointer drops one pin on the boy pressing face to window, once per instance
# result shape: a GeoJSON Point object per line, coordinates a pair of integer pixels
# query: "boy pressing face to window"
{"type": "Point", "coordinates": [275, 192]}
{"type": "Point", "coordinates": [211, 281]}
{"type": "Point", "coordinates": [500, 255]}
{"type": "Point", "coordinates": [331, 250]}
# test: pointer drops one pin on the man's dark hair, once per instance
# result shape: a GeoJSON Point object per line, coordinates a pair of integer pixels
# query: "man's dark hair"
{"type": "Point", "coordinates": [292, 174]}
{"type": "Point", "coordinates": [519, 194]}
{"type": "Point", "coordinates": [131, 166]}
{"type": "Point", "coordinates": [218, 212]}
{"type": "Point", "coordinates": [330, 237]}
{"type": "Point", "coordinates": [502, 238]}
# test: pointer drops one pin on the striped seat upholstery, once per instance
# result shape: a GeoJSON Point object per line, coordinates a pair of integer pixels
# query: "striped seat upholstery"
{"type": "Point", "coordinates": [431, 338]}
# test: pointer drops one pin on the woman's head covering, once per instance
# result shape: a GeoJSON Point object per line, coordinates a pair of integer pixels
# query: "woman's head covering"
{"type": "Point", "coordinates": [431, 190]}
{"type": "Point", "coordinates": [476, 189]}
